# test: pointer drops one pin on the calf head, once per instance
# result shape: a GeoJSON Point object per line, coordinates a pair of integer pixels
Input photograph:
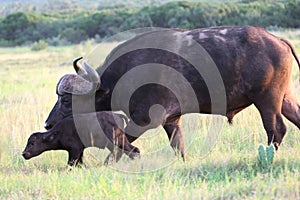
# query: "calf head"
{"type": "Point", "coordinates": [40, 142]}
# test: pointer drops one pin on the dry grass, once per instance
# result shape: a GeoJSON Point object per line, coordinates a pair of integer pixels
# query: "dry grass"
{"type": "Point", "coordinates": [230, 170]}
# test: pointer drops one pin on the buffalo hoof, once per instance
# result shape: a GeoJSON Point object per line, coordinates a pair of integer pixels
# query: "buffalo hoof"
{"type": "Point", "coordinates": [135, 153]}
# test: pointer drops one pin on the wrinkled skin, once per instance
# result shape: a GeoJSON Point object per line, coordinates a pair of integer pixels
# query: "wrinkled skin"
{"type": "Point", "coordinates": [255, 67]}
{"type": "Point", "coordinates": [63, 108]}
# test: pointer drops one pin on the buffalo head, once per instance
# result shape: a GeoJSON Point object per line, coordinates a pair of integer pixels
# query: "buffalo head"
{"type": "Point", "coordinates": [74, 91]}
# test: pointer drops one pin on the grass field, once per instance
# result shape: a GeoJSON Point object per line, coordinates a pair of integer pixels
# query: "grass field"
{"type": "Point", "coordinates": [229, 170]}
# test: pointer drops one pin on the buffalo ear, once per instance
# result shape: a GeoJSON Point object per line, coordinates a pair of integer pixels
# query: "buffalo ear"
{"type": "Point", "coordinates": [49, 137]}
{"type": "Point", "coordinates": [103, 91]}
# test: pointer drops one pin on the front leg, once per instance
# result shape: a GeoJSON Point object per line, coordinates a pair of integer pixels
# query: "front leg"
{"type": "Point", "coordinates": [75, 157]}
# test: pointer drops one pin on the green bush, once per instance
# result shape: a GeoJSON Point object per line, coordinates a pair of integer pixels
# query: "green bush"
{"type": "Point", "coordinates": [39, 45]}
{"type": "Point", "coordinates": [68, 27]}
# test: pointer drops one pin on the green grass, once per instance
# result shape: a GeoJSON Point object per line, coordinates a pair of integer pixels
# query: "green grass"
{"type": "Point", "coordinates": [229, 170]}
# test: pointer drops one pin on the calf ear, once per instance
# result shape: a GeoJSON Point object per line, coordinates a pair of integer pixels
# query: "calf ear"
{"type": "Point", "coordinates": [49, 137]}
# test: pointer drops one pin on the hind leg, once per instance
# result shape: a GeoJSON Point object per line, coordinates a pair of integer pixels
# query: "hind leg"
{"type": "Point", "coordinates": [115, 154]}
{"type": "Point", "coordinates": [174, 133]}
{"type": "Point", "coordinates": [290, 109]}
{"type": "Point", "coordinates": [270, 111]}
{"type": "Point", "coordinates": [132, 132]}
{"type": "Point", "coordinates": [124, 146]}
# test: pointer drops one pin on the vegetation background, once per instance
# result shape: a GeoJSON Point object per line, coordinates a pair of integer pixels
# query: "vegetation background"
{"type": "Point", "coordinates": [39, 39]}
{"type": "Point", "coordinates": [62, 22]}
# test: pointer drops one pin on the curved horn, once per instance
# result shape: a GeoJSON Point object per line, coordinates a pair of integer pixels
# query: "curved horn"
{"type": "Point", "coordinates": [92, 74]}
{"type": "Point", "coordinates": [77, 66]}
{"type": "Point", "coordinates": [86, 81]}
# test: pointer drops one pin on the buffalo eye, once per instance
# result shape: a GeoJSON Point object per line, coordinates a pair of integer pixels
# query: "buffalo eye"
{"type": "Point", "coordinates": [65, 100]}
{"type": "Point", "coordinates": [31, 143]}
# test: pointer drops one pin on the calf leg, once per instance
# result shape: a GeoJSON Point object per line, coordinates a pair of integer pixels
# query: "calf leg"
{"type": "Point", "coordinates": [174, 133]}
{"type": "Point", "coordinates": [114, 156]}
{"type": "Point", "coordinates": [75, 157]}
{"type": "Point", "coordinates": [117, 152]}
{"type": "Point", "coordinates": [124, 145]}
{"type": "Point", "coordinates": [130, 150]}
{"type": "Point", "coordinates": [131, 133]}
{"type": "Point", "coordinates": [120, 145]}
{"type": "Point", "coordinates": [290, 109]}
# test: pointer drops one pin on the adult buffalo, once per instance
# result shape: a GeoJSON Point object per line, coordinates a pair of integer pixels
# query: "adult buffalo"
{"type": "Point", "coordinates": [254, 66]}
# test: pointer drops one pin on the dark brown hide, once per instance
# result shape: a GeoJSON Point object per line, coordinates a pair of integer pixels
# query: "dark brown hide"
{"type": "Point", "coordinates": [255, 67]}
{"type": "Point", "coordinates": [74, 134]}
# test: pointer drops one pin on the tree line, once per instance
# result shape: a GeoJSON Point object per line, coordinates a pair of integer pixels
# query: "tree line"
{"type": "Point", "coordinates": [64, 28]}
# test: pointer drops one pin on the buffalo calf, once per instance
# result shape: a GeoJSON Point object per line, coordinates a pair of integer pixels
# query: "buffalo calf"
{"type": "Point", "coordinates": [77, 132]}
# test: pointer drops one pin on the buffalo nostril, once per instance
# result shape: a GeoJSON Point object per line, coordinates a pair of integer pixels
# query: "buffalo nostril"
{"type": "Point", "coordinates": [25, 154]}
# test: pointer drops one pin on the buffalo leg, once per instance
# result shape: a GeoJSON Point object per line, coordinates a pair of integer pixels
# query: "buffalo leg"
{"type": "Point", "coordinates": [174, 133]}
{"type": "Point", "coordinates": [114, 155]}
{"type": "Point", "coordinates": [132, 132]}
{"type": "Point", "coordinates": [130, 150]}
{"type": "Point", "coordinates": [270, 111]}
{"type": "Point", "coordinates": [120, 145]}
{"type": "Point", "coordinates": [117, 152]}
{"type": "Point", "coordinates": [290, 109]}
{"type": "Point", "coordinates": [124, 145]}
{"type": "Point", "coordinates": [75, 157]}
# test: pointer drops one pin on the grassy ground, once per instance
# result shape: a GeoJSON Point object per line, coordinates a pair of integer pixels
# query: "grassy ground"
{"type": "Point", "coordinates": [229, 170]}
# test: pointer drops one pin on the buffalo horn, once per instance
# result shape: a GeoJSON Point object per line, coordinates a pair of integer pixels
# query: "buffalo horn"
{"type": "Point", "coordinates": [86, 81]}
{"type": "Point", "coordinates": [77, 66]}
{"type": "Point", "coordinates": [92, 74]}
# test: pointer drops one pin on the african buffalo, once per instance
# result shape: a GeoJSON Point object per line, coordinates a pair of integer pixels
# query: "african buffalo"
{"type": "Point", "coordinates": [77, 132]}
{"type": "Point", "coordinates": [254, 67]}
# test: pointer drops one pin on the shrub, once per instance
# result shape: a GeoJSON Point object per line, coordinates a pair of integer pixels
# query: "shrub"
{"type": "Point", "coordinates": [39, 45]}
{"type": "Point", "coordinates": [57, 41]}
